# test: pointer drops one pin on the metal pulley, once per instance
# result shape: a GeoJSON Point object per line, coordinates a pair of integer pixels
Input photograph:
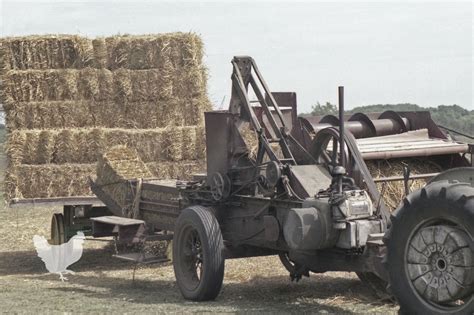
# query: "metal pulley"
{"type": "Point", "coordinates": [220, 186]}
{"type": "Point", "coordinates": [273, 173]}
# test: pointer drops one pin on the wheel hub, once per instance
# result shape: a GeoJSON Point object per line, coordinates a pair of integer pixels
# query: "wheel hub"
{"type": "Point", "coordinates": [440, 263]}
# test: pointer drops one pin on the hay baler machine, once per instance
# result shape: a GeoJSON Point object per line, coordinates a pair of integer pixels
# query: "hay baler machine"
{"type": "Point", "coordinates": [300, 188]}
{"type": "Point", "coordinates": [294, 194]}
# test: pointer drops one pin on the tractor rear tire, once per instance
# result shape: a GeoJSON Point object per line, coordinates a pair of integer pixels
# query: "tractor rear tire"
{"type": "Point", "coordinates": [198, 254]}
{"type": "Point", "coordinates": [430, 250]}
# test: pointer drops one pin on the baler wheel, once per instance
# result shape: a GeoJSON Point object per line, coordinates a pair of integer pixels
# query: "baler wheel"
{"type": "Point", "coordinates": [430, 250]}
{"type": "Point", "coordinates": [198, 257]}
{"type": "Point", "coordinates": [58, 236]}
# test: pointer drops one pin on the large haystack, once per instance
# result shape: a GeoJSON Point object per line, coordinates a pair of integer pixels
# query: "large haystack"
{"type": "Point", "coordinates": [68, 99]}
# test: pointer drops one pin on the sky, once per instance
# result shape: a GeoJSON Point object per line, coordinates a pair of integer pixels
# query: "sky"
{"type": "Point", "coordinates": [382, 52]}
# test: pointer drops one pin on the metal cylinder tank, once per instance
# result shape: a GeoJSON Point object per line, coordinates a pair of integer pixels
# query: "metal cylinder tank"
{"type": "Point", "coordinates": [309, 229]}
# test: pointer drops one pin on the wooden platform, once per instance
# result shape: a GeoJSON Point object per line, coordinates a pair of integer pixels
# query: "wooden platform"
{"type": "Point", "coordinates": [120, 221]}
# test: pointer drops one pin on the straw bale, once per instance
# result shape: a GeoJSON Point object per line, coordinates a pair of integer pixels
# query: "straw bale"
{"type": "Point", "coordinates": [14, 147]}
{"type": "Point", "coordinates": [122, 85]}
{"type": "Point", "coordinates": [45, 52]}
{"type": "Point", "coordinates": [185, 171]}
{"type": "Point", "coordinates": [117, 50]}
{"type": "Point", "coordinates": [45, 181]}
{"type": "Point", "coordinates": [147, 51]}
{"type": "Point", "coordinates": [88, 83]}
{"type": "Point", "coordinates": [188, 150]}
{"type": "Point", "coordinates": [108, 114]}
{"type": "Point", "coordinates": [100, 52]}
{"type": "Point", "coordinates": [16, 118]}
{"type": "Point", "coordinates": [95, 144]}
{"type": "Point", "coordinates": [120, 163]}
{"type": "Point", "coordinates": [176, 170]}
{"type": "Point", "coordinates": [167, 71]}
{"type": "Point", "coordinates": [63, 147]}
{"type": "Point", "coordinates": [200, 142]}
{"type": "Point", "coordinates": [49, 115]}
{"type": "Point", "coordinates": [83, 145]}
{"type": "Point", "coordinates": [114, 168]}
{"type": "Point", "coordinates": [173, 143]}
{"type": "Point", "coordinates": [171, 112]}
{"type": "Point", "coordinates": [45, 148]}
{"type": "Point", "coordinates": [30, 147]}
{"type": "Point", "coordinates": [57, 85]}
{"type": "Point", "coordinates": [190, 82]}
{"type": "Point", "coordinates": [149, 144]}
{"type": "Point", "coordinates": [395, 191]}
{"type": "Point", "coordinates": [194, 109]}
{"type": "Point", "coordinates": [64, 106]}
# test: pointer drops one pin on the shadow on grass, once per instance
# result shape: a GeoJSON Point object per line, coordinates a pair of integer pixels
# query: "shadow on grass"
{"type": "Point", "coordinates": [28, 262]}
{"type": "Point", "coordinates": [320, 294]}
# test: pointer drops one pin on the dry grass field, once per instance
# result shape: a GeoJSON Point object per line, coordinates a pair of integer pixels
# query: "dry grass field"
{"type": "Point", "coordinates": [104, 284]}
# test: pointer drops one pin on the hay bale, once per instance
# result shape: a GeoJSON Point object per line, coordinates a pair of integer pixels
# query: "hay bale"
{"type": "Point", "coordinates": [49, 115]}
{"type": "Point", "coordinates": [46, 181]}
{"type": "Point", "coordinates": [194, 110]}
{"type": "Point", "coordinates": [120, 163]}
{"type": "Point", "coordinates": [100, 52]}
{"type": "Point", "coordinates": [107, 114]}
{"type": "Point", "coordinates": [188, 149]}
{"type": "Point", "coordinates": [173, 143]}
{"type": "Point", "coordinates": [45, 52]}
{"type": "Point", "coordinates": [64, 147]}
{"type": "Point", "coordinates": [200, 142]}
{"type": "Point", "coordinates": [148, 51]}
{"type": "Point", "coordinates": [114, 168]}
{"type": "Point", "coordinates": [45, 148]}
{"type": "Point", "coordinates": [63, 107]}
{"type": "Point", "coordinates": [14, 148]}
{"type": "Point", "coordinates": [30, 147]}
{"type": "Point", "coordinates": [122, 86]}
{"type": "Point", "coordinates": [395, 190]}
{"type": "Point", "coordinates": [95, 144]}
{"type": "Point", "coordinates": [176, 170]}
{"type": "Point", "coordinates": [57, 85]}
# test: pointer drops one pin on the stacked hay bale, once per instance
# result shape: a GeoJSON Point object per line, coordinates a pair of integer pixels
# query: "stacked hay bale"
{"type": "Point", "coordinates": [68, 99]}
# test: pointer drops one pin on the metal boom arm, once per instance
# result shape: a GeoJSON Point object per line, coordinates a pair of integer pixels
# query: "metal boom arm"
{"type": "Point", "coordinates": [246, 75]}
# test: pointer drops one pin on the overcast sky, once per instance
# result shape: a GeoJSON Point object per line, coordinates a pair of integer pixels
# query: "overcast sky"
{"type": "Point", "coordinates": [382, 52]}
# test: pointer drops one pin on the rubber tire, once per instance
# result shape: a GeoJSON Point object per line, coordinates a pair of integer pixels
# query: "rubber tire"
{"type": "Point", "coordinates": [58, 236]}
{"type": "Point", "coordinates": [208, 229]}
{"type": "Point", "coordinates": [432, 201]}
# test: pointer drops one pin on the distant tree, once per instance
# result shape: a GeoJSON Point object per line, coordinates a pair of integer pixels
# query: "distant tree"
{"type": "Point", "coordinates": [321, 110]}
{"type": "Point", "coordinates": [405, 107]}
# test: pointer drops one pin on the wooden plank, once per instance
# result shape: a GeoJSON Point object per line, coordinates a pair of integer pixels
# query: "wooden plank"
{"type": "Point", "coordinates": [57, 201]}
{"type": "Point", "coordinates": [114, 220]}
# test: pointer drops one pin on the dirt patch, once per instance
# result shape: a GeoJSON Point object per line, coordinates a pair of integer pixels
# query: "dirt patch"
{"type": "Point", "coordinates": [104, 284]}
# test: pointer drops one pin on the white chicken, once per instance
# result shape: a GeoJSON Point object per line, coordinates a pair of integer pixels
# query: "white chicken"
{"type": "Point", "coordinates": [58, 257]}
